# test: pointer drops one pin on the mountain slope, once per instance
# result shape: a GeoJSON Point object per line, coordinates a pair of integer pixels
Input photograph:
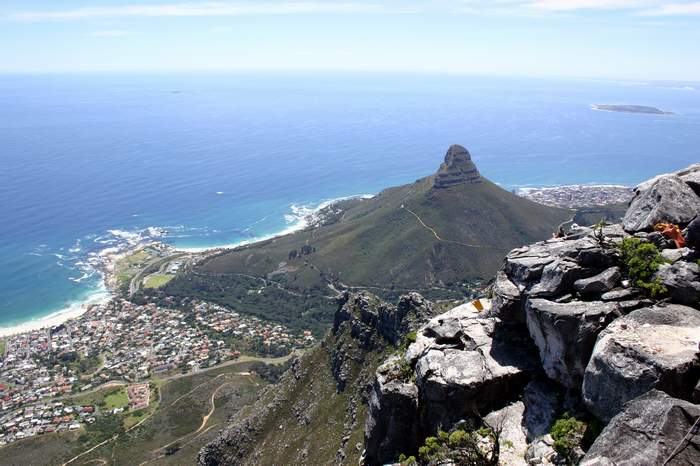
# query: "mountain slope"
{"type": "Point", "coordinates": [315, 415]}
{"type": "Point", "coordinates": [431, 235]}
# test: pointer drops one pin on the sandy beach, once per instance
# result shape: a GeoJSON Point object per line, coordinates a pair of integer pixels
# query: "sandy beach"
{"type": "Point", "coordinates": [57, 318]}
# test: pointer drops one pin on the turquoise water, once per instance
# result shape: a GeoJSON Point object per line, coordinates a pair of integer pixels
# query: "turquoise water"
{"type": "Point", "coordinates": [221, 158]}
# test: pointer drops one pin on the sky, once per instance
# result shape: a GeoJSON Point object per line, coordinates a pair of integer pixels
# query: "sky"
{"type": "Point", "coordinates": [610, 39]}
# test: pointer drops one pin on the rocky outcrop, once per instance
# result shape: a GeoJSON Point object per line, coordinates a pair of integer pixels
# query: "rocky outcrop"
{"type": "Point", "coordinates": [391, 426]}
{"type": "Point", "coordinates": [655, 347]}
{"type": "Point", "coordinates": [565, 334]}
{"type": "Point", "coordinates": [653, 429]}
{"type": "Point", "coordinates": [464, 366]}
{"type": "Point", "coordinates": [682, 279]}
{"type": "Point", "coordinates": [461, 365]}
{"type": "Point", "coordinates": [665, 199]}
{"type": "Point", "coordinates": [692, 235]}
{"type": "Point", "coordinates": [458, 168]}
{"type": "Point", "coordinates": [598, 284]}
{"type": "Point", "coordinates": [691, 177]}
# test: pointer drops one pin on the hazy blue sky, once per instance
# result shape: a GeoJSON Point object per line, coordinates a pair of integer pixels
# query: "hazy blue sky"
{"type": "Point", "coordinates": [626, 39]}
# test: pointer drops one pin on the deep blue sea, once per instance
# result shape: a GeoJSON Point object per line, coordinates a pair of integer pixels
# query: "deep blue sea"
{"type": "Point", "coordinates": [87, 160]}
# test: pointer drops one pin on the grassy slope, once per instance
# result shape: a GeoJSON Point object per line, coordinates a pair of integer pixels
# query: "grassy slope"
{"type": "Point", "coordinates": [303, 419]}
{"type": "Point", "coordinates": [176, 418]}
{"type": "Point", "coordinates": [376, 244]}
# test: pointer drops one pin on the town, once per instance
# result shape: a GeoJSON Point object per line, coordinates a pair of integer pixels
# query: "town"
{"type": "Point", "coordinates": [120, 341]}
{"type": "Point", "coordinates": [576, 196]}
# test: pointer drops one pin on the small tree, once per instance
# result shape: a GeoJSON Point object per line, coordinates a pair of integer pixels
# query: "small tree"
{"type": "Point", "coordinates": [641, 261]}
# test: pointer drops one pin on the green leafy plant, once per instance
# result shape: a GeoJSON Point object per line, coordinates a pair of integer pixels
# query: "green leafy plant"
{"type": "Point", "coordinates": [641, 261]}
{"type": "Point", "coordinates": [460, 447]}
{"type": "Point", "coordinates": [567, 433]}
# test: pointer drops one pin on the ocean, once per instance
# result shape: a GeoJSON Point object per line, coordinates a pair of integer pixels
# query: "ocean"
{"type": "Point", "coordinates": [93, 161]}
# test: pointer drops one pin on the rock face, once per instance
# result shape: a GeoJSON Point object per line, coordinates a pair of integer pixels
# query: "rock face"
{"type": "Point", "coordinates": [646, 432]}
{"type": "Point", "coordinates": [460, 365]}
{"type": "Point", "coordinates": [458, 168]}
{"type": "Point", "coordinates": [393, 407]}
{"type": "Point", "coordinates": [565, 334]}
{"type": "Point", "coordinates": [366, 314]}
{"type": "Point", "coordinates": [692, 236]}
{"type": "Point", "coordinates": [691, 177]}
{"type": "Point", "coordinates": [682, 279]}
{"type": "Point", "coordinates": [598, 284]}
{"type": "Point", "coordinates": [655, 347]}
{"type": "Point", "coordinates": [665, 199]}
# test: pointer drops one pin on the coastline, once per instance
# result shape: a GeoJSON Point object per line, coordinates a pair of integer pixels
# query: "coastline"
{"type": "Point", "coordinates": [104, 261]}
{"type": "Point", "coordinates": [59, 317]}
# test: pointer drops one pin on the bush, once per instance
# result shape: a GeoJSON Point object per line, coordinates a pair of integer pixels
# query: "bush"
{"type": "Point", "coordinates": [458, 438]}
{"type": "Point", "coordinates": [411, 337]}
{"type": "Point", "coordinates": [567, 433]}
{"type": "Point", "coordinates": [641, 261]}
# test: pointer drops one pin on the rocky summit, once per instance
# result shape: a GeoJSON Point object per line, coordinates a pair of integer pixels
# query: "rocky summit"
{"type": "Point", "coordinates": [458, 168]}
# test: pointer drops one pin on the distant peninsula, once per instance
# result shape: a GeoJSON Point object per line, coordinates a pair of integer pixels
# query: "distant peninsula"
{"type": "Point", "coordinates": [630, 109]}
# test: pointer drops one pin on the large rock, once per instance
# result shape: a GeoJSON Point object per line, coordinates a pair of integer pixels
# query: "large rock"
{"type": "Point", "coordinates": [692, 235]}
{"type": "Point", "coordinates": [508, 302]}
{"type": "Point", "coordinates": [682, 279]}
{"type": "Point", "coordinates": [391, 427]}
{"type": "Point", "coordinates": [465, 364]}
{"type": "Point", "coordinates": [558, 277]}
{"type": "Point", "coordinates": [557, 263]}
{"type": "Point", "coordinates": [649, 431]}
{"type": "Point", "coordinates": [458, 168]}
{"type": "Point", "coordinates": [598, 284]}
{"type": "Point", "coordinates": [653, 347]}
{"type": "Point", "coordinates": [366, 314]}
{"type": "Point", "coordinates": [565, 334]}
{"type": "Point", "coordinates": [665, 199]}
{"type": "Point", "coordinates": [691, 177]}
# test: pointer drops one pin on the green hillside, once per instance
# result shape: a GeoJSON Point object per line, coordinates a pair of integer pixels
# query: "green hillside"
{"type": "Point", "coordinates": [432, 236]}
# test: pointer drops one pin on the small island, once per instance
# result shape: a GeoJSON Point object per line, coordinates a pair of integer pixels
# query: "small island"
{"type": "Point", "coordinates": [630, 109]}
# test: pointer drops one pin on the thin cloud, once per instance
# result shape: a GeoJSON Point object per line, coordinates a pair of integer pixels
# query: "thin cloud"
{"type": "Point", "coordinates": [196, 9]}
{"type": "Point", "coordinates": [674, 9]}
{"type": "Point", "coordinates": [569, 5]}
{"type": "Point", "coordinates": [110, 33]}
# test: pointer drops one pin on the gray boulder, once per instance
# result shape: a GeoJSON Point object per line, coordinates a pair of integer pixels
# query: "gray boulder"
{"type": "Point", "coordinates": [691, 177]}
{"type": "Point", "coordinates": [651, 430]}
{"type": "Point", "coordinates": [461, 373]}
{"type": "Point", "coordinates": [620, 295]}
{"type": "Point", "coordinates": [565, 334]}
{"type": "Point", "coordinates": [598, 284]}
{"type": "Point", "coordinates": [692, 234]}
{"type": "Point", "coordinates": [674, 255]}
{"type": "Point", "coordinates": [558, 277]}
{"type": "Point", "coordinates": [653, 347]}
{"type": "Point", "coordinates": [664, 199]}
{"type": "Point", "coordinates": [391, 427]}
{"type": "Point", "coordinates": [682, 279]}
{"type": "Point", "coordinates": [507, 302]}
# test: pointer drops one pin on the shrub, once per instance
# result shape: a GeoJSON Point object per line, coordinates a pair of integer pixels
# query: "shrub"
{"type": "Point", "coordinates": [411, 337]}
{"type": "Point", "coordinates": [641, 260]}
{"type": "Point", "coordinates": [458, 438]}
{"type": "Point", "coordinates": [567, 433]}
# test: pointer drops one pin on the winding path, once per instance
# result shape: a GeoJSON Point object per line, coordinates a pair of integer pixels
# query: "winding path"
{"type": "Point", "coordinates": [437, 236]}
